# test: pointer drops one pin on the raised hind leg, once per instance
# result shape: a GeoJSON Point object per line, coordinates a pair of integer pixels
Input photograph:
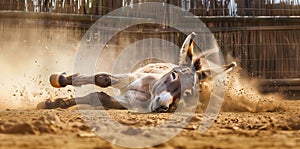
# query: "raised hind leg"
{"type": "Point", "coordinates": [206, 73]}
{"type": "Point", "coordinates": [101, 79]}
{"type": "Point", "coordinates": [93, 99]}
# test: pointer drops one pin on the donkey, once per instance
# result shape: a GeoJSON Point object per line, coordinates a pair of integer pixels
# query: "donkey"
{"type": "Point", "coordinates": [156, 87]}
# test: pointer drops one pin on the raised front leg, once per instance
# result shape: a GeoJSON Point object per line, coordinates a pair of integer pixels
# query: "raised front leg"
{"type": "Point", "coordinates": [101, 80]}
{"type": "Point", "coordinates": [93, 99]}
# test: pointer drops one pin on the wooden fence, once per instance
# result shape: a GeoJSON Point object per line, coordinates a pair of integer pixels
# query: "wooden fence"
{"type": "Point", "coordinates": [267, 47]}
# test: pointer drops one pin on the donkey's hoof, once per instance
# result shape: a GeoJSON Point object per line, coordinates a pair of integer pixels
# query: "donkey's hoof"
{"type": "Point", "coordinates": [41, 105]}
{"type": "Point", "coordinates": [49, 104]}
{"type": "Point", "coordinates": [58, 80]}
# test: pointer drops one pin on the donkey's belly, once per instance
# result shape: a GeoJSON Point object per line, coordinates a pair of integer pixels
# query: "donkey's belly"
{"type": "Point", "coordinates": [138, 96]}
{"type": "Point", "coordinates": [135, 100]}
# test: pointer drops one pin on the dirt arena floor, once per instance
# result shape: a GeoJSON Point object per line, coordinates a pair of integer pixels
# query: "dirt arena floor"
{"type": "Point", "coordinates": [248, 119]}
{"type": "Point", "coordinates": [61, 128]}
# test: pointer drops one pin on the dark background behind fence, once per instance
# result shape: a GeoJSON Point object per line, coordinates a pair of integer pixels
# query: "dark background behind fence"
{"type": "Point", "coordinates": [197, 7]}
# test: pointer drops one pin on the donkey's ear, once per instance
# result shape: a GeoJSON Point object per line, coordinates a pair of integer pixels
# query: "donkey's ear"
{"type": "Point", "coordinates": [196, 64]}
{"type": "Point", "coordinates": [187, 50]}
{"type": "Point", "coordinates": [203, 74]}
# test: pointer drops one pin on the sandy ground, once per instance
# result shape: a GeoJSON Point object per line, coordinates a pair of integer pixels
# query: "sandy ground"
{"type": "Point", "coordinates": [62, 128]}
{"type": "Point", "coordinates": [248, 119]}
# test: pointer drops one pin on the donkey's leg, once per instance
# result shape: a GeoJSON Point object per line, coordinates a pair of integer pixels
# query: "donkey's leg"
{"type": "Point", "coordinates": [100, 99]}
{"type": "Point", "coordinates": [94, 99]}
{"type": "Point", "coordinates": [206, 73]}
{"type": "Point", "coordinates": [101, 80]}
{"type": "Point", "coordinates": [229, 67]}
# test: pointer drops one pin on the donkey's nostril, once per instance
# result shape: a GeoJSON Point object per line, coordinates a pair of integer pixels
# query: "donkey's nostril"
{"type": "Point", "coordinates": [187, 92]}
{"type": "Point", "coordinates": [157, 100]}
{"type": "Point", "coordinates": [162, 109]}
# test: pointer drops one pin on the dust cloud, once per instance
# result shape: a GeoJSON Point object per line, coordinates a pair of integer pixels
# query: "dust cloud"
{"type": "Point", "coordinates": [242, 95]}
{"type": "Point", "coordinates": [28, 56]}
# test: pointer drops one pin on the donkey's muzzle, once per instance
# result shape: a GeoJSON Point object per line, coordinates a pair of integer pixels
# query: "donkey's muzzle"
{"type": "Point", "coordinates": [162, 102]}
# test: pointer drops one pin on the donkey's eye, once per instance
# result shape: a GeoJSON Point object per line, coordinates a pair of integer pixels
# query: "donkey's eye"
{"type": "Point", "coordinates": [174, 75]}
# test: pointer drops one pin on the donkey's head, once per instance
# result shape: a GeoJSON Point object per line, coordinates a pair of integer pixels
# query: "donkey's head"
{"type": "Point", "coordinates": [181, 81]}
